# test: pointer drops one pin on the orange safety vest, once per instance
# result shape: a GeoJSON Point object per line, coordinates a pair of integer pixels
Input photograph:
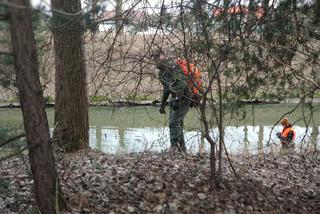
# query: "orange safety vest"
{"type": "Point", "coordinates": [285, 132]}
{"type": "Point", "coordinates": [193, 74]}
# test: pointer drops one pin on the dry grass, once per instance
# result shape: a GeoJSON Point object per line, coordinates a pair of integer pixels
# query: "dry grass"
{"type": "Point", "coordinates": [120, 68]}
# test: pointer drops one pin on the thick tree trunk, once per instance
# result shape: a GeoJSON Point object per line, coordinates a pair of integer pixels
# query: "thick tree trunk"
{"type": "Point", "coordinates": [32, 103]}
{"type": "Point", "coordinates": [71, 102]}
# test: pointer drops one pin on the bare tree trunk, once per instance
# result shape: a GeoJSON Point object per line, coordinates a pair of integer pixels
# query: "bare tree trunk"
{"type": "Point", "coordinates": [119, 17]}
{"type": "Point", "coordinates": [32, 103]}
{"type": "Point", "coordinates": [94, 4]}
{"type": "Point", "coordinates": [221, 129]}
{"type": "Point", "coordinates": [71, 102]}
{"type": "Point", "coordinates": [314, 137]}
{"type": "Point", "coordinates": [260, 142]}
{"type": "Point", "coordinates": [317, 12]}
{"type": "Point", "coordinates": [209, 139]}
{"type": "Point", "coordinates": [201, 13]}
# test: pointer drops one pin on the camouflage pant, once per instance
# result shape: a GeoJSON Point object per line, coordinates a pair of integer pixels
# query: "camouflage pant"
{"type": "Point", "coordinates": [178, 110]}
{"type": "Point", "coordinates": [287, 145]}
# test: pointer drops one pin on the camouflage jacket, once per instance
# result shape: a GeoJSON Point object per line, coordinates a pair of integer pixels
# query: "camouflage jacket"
{"type": "Point", "coordinates": [172, 78]}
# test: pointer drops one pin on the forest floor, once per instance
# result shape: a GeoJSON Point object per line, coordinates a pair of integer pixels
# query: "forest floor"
{"type": "Point", "coordinates": [93, 182]}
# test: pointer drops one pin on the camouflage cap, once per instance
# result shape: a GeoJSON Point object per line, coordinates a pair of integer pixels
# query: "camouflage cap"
{"type": "Point", "coordinates": [157, 52]}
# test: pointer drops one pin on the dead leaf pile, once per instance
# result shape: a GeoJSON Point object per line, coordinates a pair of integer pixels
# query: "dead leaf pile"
{"type": "Point", "coordinates": [93, 182]}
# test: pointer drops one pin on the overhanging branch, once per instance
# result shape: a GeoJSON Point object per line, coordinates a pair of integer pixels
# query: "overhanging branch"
{"type": "Point", "coordinates": [11, 139]}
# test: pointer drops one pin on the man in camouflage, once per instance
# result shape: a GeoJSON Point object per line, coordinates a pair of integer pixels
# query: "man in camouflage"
{"type": "Point", "coordinates": [174, 83]}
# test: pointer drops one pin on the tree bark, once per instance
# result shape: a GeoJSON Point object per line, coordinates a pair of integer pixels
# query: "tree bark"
{"type": "Point", "coordinates": [119, 17]}
{"type": "Point", "coordinates": [221, 129]}
{"type": "Point", "coordinates": [94, 4]}
{"type": "Point", "coordinates": [317, 11]}
{"type": "Point", "coordinates": [32, 104]}
{"type": "Point", "coordinates": [71, 101]}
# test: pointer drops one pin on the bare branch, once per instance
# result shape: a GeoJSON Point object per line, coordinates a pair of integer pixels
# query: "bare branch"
{"type": "Point", "coordinates": [6, 53]}
{"type": "Point", "coordinates": [12, 139]}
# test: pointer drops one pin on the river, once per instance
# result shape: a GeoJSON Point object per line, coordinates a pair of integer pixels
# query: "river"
{"type": "Point", "coordinates": [135, 129]}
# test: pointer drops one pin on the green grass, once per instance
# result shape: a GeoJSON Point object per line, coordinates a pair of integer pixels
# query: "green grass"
{"type": "Point", "coordinates": [98, 98]}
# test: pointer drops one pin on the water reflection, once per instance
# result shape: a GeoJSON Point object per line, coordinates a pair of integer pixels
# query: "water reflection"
{"type": "Point", "coordinates": [241, 139]}
{"type": "Point", "coordinates": [140, 128]}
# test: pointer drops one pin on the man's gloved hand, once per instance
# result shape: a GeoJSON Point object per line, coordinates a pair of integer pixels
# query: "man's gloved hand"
{"type": "Point", "coordinates": [278, 135]}
{"type": "Point", "coordinates": [195, 100]}
{"type": "Point", "coordinates": [162, 109]}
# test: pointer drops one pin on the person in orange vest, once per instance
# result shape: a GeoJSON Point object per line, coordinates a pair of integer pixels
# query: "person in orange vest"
{"type": "Point", "coordinates": [287, 135]}
{"type": "Point", "coordinates": [175, 89]}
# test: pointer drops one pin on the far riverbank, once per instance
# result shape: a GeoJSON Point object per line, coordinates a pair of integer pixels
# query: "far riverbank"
{"type": "Point", "coordinates": [129, 103]}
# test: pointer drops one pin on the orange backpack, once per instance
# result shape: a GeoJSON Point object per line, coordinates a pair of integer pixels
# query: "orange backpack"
{"type": "Point", "coordinates": [193, 74]}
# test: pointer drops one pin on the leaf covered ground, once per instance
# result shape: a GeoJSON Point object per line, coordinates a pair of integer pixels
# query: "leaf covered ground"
{"type": "Point", "coordinates": [93, 182]}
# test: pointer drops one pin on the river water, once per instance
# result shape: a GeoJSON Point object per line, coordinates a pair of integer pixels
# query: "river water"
{"type": "Point", "coordinates": [135, 129]}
